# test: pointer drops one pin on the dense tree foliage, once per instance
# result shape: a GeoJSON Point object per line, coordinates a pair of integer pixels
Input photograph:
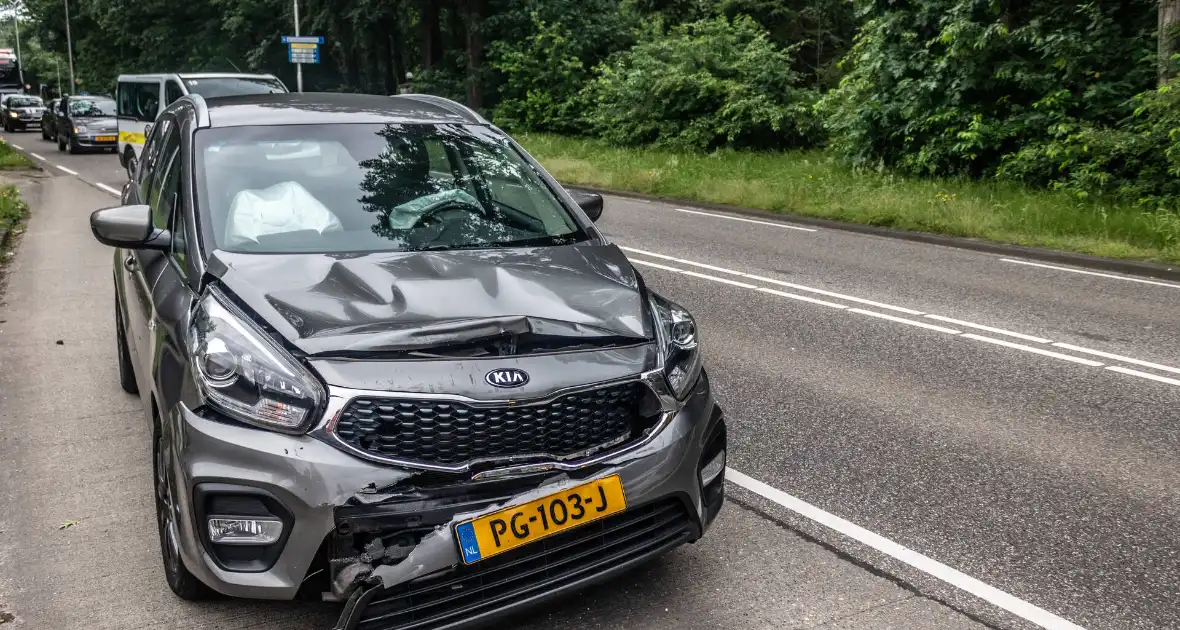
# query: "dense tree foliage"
{"type": "Point", "coordinates": [1076, 94]}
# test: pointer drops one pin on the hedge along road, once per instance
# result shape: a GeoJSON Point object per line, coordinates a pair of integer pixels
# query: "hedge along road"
{"type": "Point", "coordinates": [955, 451]}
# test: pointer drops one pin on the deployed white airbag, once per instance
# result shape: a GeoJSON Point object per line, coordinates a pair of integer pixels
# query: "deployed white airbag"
{"type": "Point", "coordinates": [285, 207]}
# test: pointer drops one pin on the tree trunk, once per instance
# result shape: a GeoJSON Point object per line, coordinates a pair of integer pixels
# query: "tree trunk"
{"type": "Point", "coordinates": [1169, 22]}
{"type": "Point", "coordinates": [474, 17]}
{"type": "Point", "coordinates": [431, 34]}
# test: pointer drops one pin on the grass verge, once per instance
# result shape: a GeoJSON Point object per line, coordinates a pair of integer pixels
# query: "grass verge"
{"type": "Point", "coordinates": [11, 158]}
{"type": "Point", "coordinates": [12, 208]}
{"type": "Point", "coordinates": [812, 183]}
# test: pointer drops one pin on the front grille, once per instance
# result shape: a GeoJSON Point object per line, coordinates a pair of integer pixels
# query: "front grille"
{"type": "Point", "coordinates": [451, 433]}
{"type": "Point", "coordinates": [515, 576]}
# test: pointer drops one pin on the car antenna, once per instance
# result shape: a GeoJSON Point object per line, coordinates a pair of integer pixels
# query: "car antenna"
{"type": "Point", "coordinates": [232, 63]}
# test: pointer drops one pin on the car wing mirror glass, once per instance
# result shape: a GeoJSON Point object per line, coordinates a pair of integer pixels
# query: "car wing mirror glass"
{"type": "Point", "coordinates": [129, 227]}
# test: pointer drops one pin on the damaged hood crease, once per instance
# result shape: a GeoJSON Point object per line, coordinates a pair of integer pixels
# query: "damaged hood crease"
{"type": "Point", "coordinates": [326, 304]}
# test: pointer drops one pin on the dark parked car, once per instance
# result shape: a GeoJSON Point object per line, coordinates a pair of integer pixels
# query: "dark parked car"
{"type": "Point", "coordinates": [86, 123]}
{"type": "Point", "coordinates": [49, 120]}
{"type": "Point", "coordinates": [20, 111]}
{"type": "Point", "coordinates": [388, 361]}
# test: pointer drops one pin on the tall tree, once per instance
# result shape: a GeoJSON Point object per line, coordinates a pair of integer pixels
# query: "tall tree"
{"type": "Point", "coordinates": [1169, 30]}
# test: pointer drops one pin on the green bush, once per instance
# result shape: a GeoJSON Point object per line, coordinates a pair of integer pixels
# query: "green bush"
{"type": "Point", "coordinates": [543, 79]}
{"type": "Point", "coordinates": [1139, 160]}
{"type": "Point", "coordinates": [703, 85]}
{"type": "Point", "coordinates": [949, 87]}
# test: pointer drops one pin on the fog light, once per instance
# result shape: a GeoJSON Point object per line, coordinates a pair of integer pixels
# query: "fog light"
{"type": "Point", "coordinates": [244, 531]}
{"type": "Point", "coordinates": [713, 469]}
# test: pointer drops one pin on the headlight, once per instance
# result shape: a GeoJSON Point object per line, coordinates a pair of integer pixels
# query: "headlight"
{"type": "Point", "coordinates": [14, 114]}
{"type": "Point", "coordinates": [679, 346]}
{"type": "Point", "coordinates": [244, 374]}
{"type": "Point", "coordinates": [80, 129]}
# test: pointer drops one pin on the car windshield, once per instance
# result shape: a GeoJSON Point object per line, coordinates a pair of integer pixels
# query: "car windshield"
{"type": "Point", "coordinates": [85, 107]}
{"type": "Point", "coordinates": [233, 86]}
{"type": "Point", "coordinates": [24, 101]}
{"type": "Point", "coordinates": [373, 187]}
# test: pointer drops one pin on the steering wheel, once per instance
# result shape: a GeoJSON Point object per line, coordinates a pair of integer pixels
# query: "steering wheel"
{"type": "Point", "coordinates": [448, 206]}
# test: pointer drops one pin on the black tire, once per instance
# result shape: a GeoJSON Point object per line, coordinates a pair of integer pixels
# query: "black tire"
{"type": "Point", "coordinates": [126, 367]}
{"type": "Point", "coordinates": [72, 146]}
{"type": "Point", "coordinates": [183, 583]}
{"type": "Point", "coordinates": [130, 163]}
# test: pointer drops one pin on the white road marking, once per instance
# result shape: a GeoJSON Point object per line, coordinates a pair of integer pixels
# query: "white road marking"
{"type": "Point", "coordinates": [902, 320]}
{"type": "Point", "coordinates": [114, 192]}
{"type": "Point", "coordinates": [18, 147]}
{"type": "Point", "coordinates": [37, 156]}
{"type": "Point", "coordinates": [925, 564]}
{"type": "Point", "coordinates": [1161, 379]}
{"type": "Point", "coordinates": [732, 218]}
{"type": "Point", "coordinates": [74, 173]}
{"type": "Point", "coordinates": [998, 331]}
{"type": "Point", "coordinates": [800, 297]}
{"type": "Point", "coordinates": [1092, 273]}
{"type": "Point", "coordinates": [1119, 357]}
{"type": "Point", "coordinates": [800, 287]}
{"type": "Point", "coordinates": [1048, 353]}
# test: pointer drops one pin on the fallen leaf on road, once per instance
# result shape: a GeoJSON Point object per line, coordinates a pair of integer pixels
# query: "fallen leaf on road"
{"type": "Point", "coordinates": [68, 524]}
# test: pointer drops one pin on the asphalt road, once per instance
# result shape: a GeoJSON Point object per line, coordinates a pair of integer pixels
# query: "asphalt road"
{"type": "Point", "coordinates": [1014, 422]}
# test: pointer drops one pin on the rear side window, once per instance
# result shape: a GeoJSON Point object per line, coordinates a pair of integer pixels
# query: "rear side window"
{"type": "Point", "coordinates": [139, 100]}
{"type": "Point", "coordinates": [172, 91]}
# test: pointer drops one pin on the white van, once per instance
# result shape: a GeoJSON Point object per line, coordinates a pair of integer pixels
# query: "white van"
{"type": "Point", "coordinates": [141, 98]}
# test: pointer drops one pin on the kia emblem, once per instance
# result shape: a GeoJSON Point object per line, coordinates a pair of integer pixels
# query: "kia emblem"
{"type": "Point", "coordinates": [507, 377]}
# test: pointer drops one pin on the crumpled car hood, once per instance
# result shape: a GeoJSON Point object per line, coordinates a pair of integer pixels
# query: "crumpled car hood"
{"type": "Point", "coordinates": [332, 303]}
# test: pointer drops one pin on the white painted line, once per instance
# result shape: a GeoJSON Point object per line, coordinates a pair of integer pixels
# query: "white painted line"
{"type": "Point", "coordinates": [117, 193]}
{"type": "Point", "coordinates": [1048, 353]}
{"type": "Point", "coordinates": [998, 331]}
{"type": "Point", "coordinates": [925, 564]}
{"type": "Point", "coordinates": [735, 283]}
{"type": "Point", "coordinates": [1119, 357]}
{"type": "Point", "coordinates": [744, 285]}
{"type": "Point", "coordinates": [18, 147]}
{"type": "Point", "coordinates": [1161, 379]}
{"type": "Point", "coordinates": [801, 298]}
{"type": "Point", "coordinates": [772, 281]}
{"type": "Point", "coordinates": [37, 156]}
{"type": "Point", "coordinates": [1092, 273]}
{"type": "Point", "coordinates": [74, 173]}
{"type": "Point", "coordinates": [902, 320]}
{"type": "Point", "coordinates": [732, 218]}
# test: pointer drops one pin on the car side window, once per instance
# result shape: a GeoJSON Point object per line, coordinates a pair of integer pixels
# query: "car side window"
{"type": "Point", "coordinates": [149, 157]}
{"type": "Point", "coordinates": [139, 100]}
{"type": "Point", "coordinates": [172, 91]}
{"type": "Point", "coordinates": [165, 199]}
{"type": "Point", "coordinates": [159, 199]}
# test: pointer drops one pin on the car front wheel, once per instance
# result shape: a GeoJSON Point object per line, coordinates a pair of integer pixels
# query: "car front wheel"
{"type": "Point", "coordinates": [184, 584]}
{"type": "Point", "coordinates": [130, 163]}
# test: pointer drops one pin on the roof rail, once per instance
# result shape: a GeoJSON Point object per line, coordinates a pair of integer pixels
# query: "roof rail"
{"type": "Point", "coordinates": [451, 106]}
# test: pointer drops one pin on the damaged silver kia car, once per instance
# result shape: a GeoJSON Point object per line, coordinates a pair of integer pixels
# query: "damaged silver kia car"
{"type": "Point", "coordinates": [388, 361]}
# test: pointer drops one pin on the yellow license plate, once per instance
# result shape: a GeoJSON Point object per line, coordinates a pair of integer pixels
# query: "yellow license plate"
{"type": "Point", "coordinates": [519, 525]}
{"type": "Point", "coordinates": [105, 138]}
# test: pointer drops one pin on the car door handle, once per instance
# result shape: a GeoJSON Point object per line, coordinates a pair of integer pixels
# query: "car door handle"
{"type": "Point", "coordinates": [129, 263]}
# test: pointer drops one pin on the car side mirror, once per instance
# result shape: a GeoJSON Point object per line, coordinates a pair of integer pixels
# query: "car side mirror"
{"type": "Point", "coordinates": [591, 203]}
{"type": "Point", "coordinates": [129, 227]}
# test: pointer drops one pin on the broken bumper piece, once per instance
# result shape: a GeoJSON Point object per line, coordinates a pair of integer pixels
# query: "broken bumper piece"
{"type": "Point", "coordinates": [550, 568]}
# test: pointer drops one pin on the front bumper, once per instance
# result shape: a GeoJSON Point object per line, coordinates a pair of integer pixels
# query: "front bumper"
{"type": "Point", "coordinates": [319, 487]}
{"type": "Point", "coordinates": [91, 141]}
